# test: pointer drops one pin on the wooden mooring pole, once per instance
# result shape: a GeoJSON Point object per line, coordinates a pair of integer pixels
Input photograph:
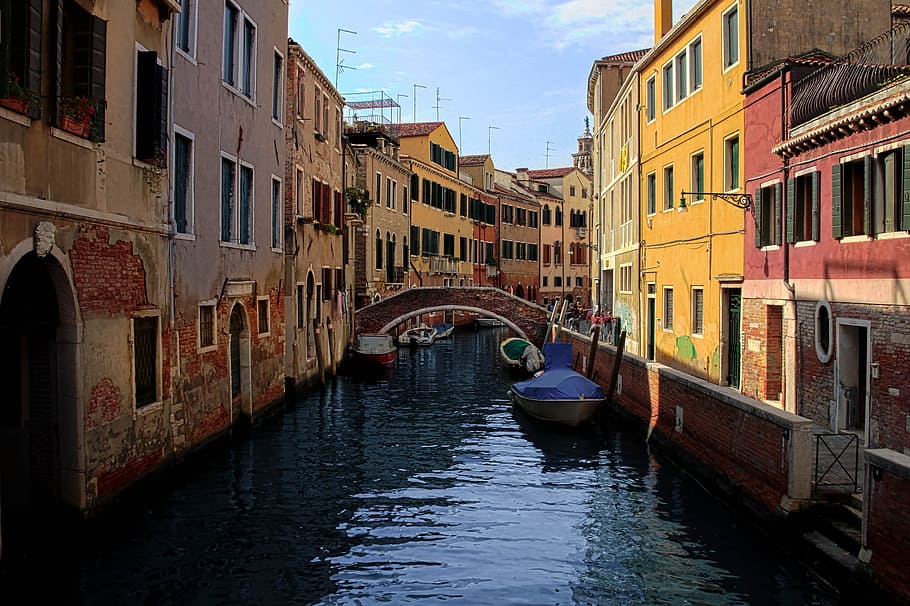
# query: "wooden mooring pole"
{"type": "Point", "coordinates": [615, 374]}
{"type": "Point", "coordinates": [592, 353]}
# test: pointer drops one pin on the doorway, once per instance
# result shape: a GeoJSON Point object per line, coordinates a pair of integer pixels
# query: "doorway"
{"type": "Point", "coordinates": [733, 337]}
{"type": "Point", "coordinates": [652, 319]}
{"type": "Point", "coordinates": [240, 360]}
{"type": "Point", "coordinates": [852, 385]}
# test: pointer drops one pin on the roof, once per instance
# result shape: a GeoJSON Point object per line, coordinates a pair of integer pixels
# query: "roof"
{"type": "Point", "coordinates": [900, 10]}
{"type": "Point", "coordinates": [627, 57]}
{"type": "Point", "coordinates": [418, 129]}
{"type": "Point", "coordinates": [550, 173]}
{"type": "Point", "coordinates": [473, 160]}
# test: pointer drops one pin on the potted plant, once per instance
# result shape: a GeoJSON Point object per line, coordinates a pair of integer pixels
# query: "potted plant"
{"type": "Point", "coordinates": [21, 98]}
{"type": "Point", "coordinates": [76, 115]}
{"type": "Point", "coordinates": [359, 200]}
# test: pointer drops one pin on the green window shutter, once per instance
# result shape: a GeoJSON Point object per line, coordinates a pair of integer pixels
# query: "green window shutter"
{"type": "Point", "coordinates": [905, 189]}
{"type": "Point", "coordinates": [815, 205]}
{"type": "Point", "coordinates": [778, 195]}
{"type": "Point", "coordinates": [791, 211]}
{"type": "Point", "coordinates": [837, 228]}
{"type": "Point", "coordinates": [867, 195]}
{"type": "Point", "coordinates": [757, 204]}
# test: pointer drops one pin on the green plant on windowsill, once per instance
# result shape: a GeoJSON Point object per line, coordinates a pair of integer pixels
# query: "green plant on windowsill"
{"type": "Point", "coordinates": [29, 100]}
{"type": "Point", "coordinates": [154, 173]}
{"type": "Point", "coordinates": [77, 109]}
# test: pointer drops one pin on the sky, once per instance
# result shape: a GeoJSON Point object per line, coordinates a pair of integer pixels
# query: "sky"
{"type": "Point", "coordinates": [510, 76]}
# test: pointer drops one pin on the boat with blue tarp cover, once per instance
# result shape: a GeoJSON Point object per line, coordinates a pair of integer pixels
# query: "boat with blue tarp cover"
{"type": "Point", "coordinates": [559, 394]}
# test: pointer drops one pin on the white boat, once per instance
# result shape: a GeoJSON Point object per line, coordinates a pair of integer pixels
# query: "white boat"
{"type": "Point", "coordinates": [374, 350]}
{"type": "Point", "coordinates": [520, 355]}
{"type": "Point", "coordinates": [420, 334]}
{"type": "Point", "coordinates": [559, 394]}
{"type": "Point", "coordinates": [444, 330]}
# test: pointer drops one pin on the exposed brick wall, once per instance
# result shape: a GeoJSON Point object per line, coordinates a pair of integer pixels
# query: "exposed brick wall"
{"type": "Point", "coordinates": [112, 481]}
{"type": "Point", "coordinates": [110, 278]}
{"type": "Point", "coordinates": [531, 318]}
{"type": "Point", "coordinates": [742, 446]}
{"type": "Point", "coordinates": [887, 521]}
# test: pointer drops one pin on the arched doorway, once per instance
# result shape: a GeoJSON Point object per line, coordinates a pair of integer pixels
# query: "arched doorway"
{"type": "Point", "coordinates": [240, 359]}
{"type": "Point", "coordinates": [39, 465]}
{"type": "Point", "coordinates": [310, 314]}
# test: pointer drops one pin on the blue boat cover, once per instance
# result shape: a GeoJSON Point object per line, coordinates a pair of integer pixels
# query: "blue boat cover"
{"type": "Point", "coordinates": [558, 381]}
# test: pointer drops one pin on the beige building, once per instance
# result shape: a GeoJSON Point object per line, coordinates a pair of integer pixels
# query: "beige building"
{"type": "Point", "coordinates": [383, 252]}
{"type": "Point", "coordinates": [319, 164]}
{"type": "Point", "coordinates": [86, 312]}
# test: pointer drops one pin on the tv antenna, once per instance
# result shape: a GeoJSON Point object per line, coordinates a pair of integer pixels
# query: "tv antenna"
{"type": "Point", "coordinates": [438, 99]}
{"type": "Point", "coordinates": [339, 62]}
{"type": "Point", "coordinates": [547, 155]}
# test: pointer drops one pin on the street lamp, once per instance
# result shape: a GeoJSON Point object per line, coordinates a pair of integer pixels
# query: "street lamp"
{"type": "Point", "coordinates": [489, 138]}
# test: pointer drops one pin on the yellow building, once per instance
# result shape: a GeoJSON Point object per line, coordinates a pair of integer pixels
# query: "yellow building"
{"type": "Point", "coordinates": [692, 257]}
{"type": "Point", "coordinates": [441, 231]}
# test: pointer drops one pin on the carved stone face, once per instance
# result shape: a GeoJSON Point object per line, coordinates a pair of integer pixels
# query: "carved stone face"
{"type": "Point", "coordinates": [44, 237]}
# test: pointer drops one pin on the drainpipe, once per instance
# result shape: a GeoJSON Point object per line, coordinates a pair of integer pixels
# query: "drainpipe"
{"type": "Point", "coordinates": [171, 219]}
{"type": "Point", "coordinates": [789, 394]}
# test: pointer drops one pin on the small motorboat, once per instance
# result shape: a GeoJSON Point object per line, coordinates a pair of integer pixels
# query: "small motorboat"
{"type": "Point", "coordinates": [444, 330]}
{"type": "Point", "coordinates": [374, 350]}
{"type": "Point", "coordinates": [483, 322]}
{"type": "Point", "coordinates": [520, 355]}
{"type": "Point", "coordinates": [420, 334]}
{"type": "Point", "coordinates": [559, 394]}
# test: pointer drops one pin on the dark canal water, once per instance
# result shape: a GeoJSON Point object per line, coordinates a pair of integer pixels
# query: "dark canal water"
{"type": "Point", "coordinates": [422, 487]}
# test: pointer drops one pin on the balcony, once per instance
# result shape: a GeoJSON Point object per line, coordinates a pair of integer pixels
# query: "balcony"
{"type": "Point", "coordinates": [581, 233]}
{"type": "Point", "coordinates": [443, 265]}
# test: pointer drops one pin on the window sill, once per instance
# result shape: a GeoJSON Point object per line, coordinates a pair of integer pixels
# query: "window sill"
{"type": "Point", "coordinates": [855, 239]}
{"type": "Point", "coordinates": [770, 248]}
{"type": "Point", "coordinates": [207, 349]}
{"type": "Point", "coordinates": [63, 135]}
{"type": "Point", "coordinates": [892, 235]}
{"type": "Point", "coordinates": [237, 246]}
{"type": "Point", "coordinates": [804, 244]}
{"type": "Point", "coordinates": [147, 409]}
{"type": "Point", "coordinates": [183, 236]}
{"type": "Point", "coordinates": [15, 117]}
{"type": "Point", "coordinates": [277, 123]}
{"type": "Point", "coordinates": [187, 55]}
{"type": "Point", "coordinates": [278, 251]}
{"type": "Point", "coordinates": [263, 335]}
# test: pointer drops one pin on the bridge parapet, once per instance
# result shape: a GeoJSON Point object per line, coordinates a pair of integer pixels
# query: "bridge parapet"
{"type": "Point", "coordinates": [528, 319]}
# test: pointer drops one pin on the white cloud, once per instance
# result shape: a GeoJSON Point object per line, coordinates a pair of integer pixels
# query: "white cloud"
{"type": "Point", "coordinates": [364, 66]}
{"type": "Point", "coordinates": [391, 29]}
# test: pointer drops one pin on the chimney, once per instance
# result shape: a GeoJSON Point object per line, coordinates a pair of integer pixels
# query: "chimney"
{"type": "Point", "coordinates": [523, 177]}
{"type": "Point", "coordinates": [663, 19]}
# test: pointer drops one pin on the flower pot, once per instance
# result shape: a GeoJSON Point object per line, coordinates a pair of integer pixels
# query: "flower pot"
{"type": "Point", "coordinates": [15, 104]}
{"type": "Point", "coordinates": [77, 128]}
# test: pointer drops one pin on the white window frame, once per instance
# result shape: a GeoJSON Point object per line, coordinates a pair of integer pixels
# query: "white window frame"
{"type": "Point", "coordinates": [268, 311]}
{"type": "Point", "coordinates": [693, 183]}
{"type": "Point", "coordinates": [213, 305]}
{"type": "Point", "coordinates": [649, 179]}
{"type": "Point", "coordinates": [378, 188]}
{"type": "Point", "coordinates": [279, 226]}
{"type": "Point", "coordinates": [693, 86]}
{"type": "Point", "coordinates": [625, 284]}
{"type": "Point", "coordinates": [240, 166]}
{"type": "Point", "coordinates": [254, 58]}
{"type": "Point", "coordinates": [278, 88]}
{"type": "Point", "coordinates": [667, 204]}
{"type": "Point", "coordinates": [669, 92]}
{"type": "Point", "coordinates": [190, 234]}
{"type": "Point", "coordinates": [190, 53]}
{"type": "Point", "coordinates": [680, 81]}
{"type": "Point", "coordinates": [728, 158]}
{"type": "Point", "coordinates": [694, 312]}
{"type": "Point", "coordinates": [650, 99]}
{"type": "Point", "coordinates": [238, 13]}
{"type": "Point", "coordinates": [388, 192]}
{"type": "Point", "coordinates": [300, 196]}
{"type": "Point", "coordinates": [725, 45]}
{"type": "Point", "coordinates": [235, 212]}
{"type": "Point", "coordinates": [668, 319]}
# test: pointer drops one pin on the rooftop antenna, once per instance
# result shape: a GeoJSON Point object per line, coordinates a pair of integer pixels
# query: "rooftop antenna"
{"type": "Point", "coordinates": [398, 101]}
{"type": "Point", "coordinates": [460, 118]}
{"type": "Point", "coordinates": [547, 155]}
{"type": "Point", "coordinates": [438, 99]}
{"type": "Point", "coordinates": [416, 86]}
{"type": "Point", "coordinates": [339, 62]}
{"type": "Point", "coordinates": [490, 130]}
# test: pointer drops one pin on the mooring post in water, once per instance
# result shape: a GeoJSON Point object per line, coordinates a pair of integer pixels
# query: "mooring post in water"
{"type": "Point", "coordinates": [553, 313]}
{"type": "Point", "coordinates": [595, 337]}
{"type": "Point", "coordinates": [331, 338]}
{"type": "Point", "coordinates": [615, 374]}
{"type": "Point", "coordinates": [320, 356]}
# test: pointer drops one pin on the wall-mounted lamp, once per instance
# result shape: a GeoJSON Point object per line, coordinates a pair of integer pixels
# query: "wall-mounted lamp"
{"type": "Point", "coordinates": [743, 201]}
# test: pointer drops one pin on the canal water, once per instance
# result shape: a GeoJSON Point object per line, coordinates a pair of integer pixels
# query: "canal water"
{"type": "Point", "coordinates": [420, 486]}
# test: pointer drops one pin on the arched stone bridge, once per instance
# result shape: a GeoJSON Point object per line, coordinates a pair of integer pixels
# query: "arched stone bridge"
{"type": "Point", "coordinates": [527, 319]}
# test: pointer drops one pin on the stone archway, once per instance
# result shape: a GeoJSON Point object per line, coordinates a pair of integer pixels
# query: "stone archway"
{"type": "Point", "coordinates": [40, 428]}
{"type": "Point", "coordinates": [240, 360]}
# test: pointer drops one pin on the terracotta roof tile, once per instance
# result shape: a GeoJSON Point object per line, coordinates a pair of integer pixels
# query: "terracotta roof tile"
{"type": "Point", "coordinates": [418, 129]}
{"type": "Point", "coordinates": [900, 10]}
{"type": "Point", "coordinates": [629, 57]}
{"type": "Point", "coordinates": [473, 160]}
{"type": "Point", "coordinates": [550, 173]}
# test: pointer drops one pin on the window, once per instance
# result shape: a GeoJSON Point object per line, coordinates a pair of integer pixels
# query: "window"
{"type": "Point", "coordinates": [300, 97]}
{"type": "Point", "coordinates": [695, 65]}
{"type": "Point", "coordinates": [682, 82]}
{"type": "Point", "coordinates": [206, 325]}
{"type": "Point", "coordinates": [81, 40]}
{"type": "Point", "coordinates": [506, 249]}
{"type": "Point", "coordinates": [151, 108]}
{"type": "Point", "coordinates": [262, 315]}
{"type": "Point", "coordinates": [229, 67]}
{"type": "Point", "coordinates": [546, 254]}
{"type": "Point", "coordinates": [248, 60]}
{"type": "Point", "coordinates": [236, 214]}
{"type": "Point", "coordinates": [448, 245]}
{"type": "Point", "coordinates": [767, 215]}
{"type": "Point", "coordinates": [378, 190]}
{"type": "Point", "coordinates": [802, 208]}
{"type": "Point", "coordinates": [823, 331]}
{"type": "Point", "coordinates": [698, 310]}
{"type": "Point", "coordinates": [731, 37]}
{"type": "Point", "coordinates": [731, 163]}
{"type": "Point", "coordinates": [698, 175]}
{"type": "Point", "coordinates": [584, 193]}
{"type": "Point", "coordinates": [277, 85]}
{"type": "Point", "coordinates": [892, 208]}
{"type": "Point", "coordinates": [21, 47]}
{"type": "Point", "coordinates": [546, 215]}
{"type": "Point", "coordinates": [668, 188]}
{"type": "Point", "coordinates": [851, 187]}
{"type": "Point", "coordinates": [186, 27]}
{"type": "Point", "coordinates": [145, 358]}
{"type": "Point", "coordinates": [532, 252]}
{"type": "Point", "coordinates": [557, 281]}
{"type": "Point", "coordinates": [651, 192]}
{"type": "Point", "coordinates": [299, 193]}
{"type": "Point", "coordinates": [668, 86]}
{"type": "Point", "coordinates": [651, 98]}
{"type": "Point", "coordinates": [301, 309]}
{"type": "Point", "coordinates": [558, 216]}
{"type": "Point", "coordinates": [557, 253]}
{"type": "Point", "coordinates": [668, 308]}
{"type": "Point", "coordinates": [277, 215]}
{"type": "Point", "coordinates": [378, 254]}
{"type": "Point", "coordinates": [317, 109]}
{"type": "Point", "coordinates": [625, 278]}
{"type": "Point", "coordinates": [546, 281]}
{"type": "Point", "coordinates": [579, 281]}
{"type": "Point", "coordinates": [404, 199]}
{"type": "Point", "coordinates": [183, 182]}
{"type": "Point", "coordinates": [571, 190]}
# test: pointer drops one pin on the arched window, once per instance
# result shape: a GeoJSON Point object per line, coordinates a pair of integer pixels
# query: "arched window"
{"type": "Point", "coordinates": [558, 215]}
{"type": "Point", "coordinates": [584, 218]}
{"type": "Point", "coordinates": [378, 250]}
{"type": "Point", "coordinates": [546, 214]}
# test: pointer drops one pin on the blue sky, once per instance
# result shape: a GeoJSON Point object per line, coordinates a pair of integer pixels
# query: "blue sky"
{"type": "Point", "coordinates": [520, 66]}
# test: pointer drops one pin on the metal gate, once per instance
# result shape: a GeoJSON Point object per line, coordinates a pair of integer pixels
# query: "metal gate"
{"type": "Point", "coordinates": [734, 342]}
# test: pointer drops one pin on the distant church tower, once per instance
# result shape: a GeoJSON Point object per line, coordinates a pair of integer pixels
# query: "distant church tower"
{"type": "Point", "coordinates": [583, 159]}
